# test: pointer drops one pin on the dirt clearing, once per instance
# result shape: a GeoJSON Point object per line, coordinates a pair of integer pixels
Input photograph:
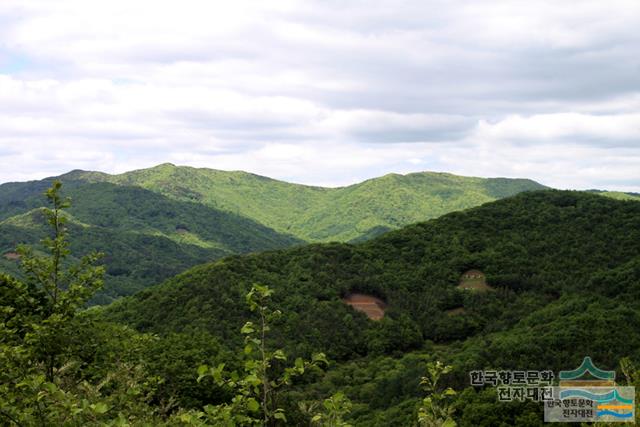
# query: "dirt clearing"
{"type": "Point", "coordinates": [372, 306]}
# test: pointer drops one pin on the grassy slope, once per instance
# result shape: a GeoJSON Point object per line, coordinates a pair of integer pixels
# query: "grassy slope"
{"type": "Point", "coordinates": [618, 195]}
{"type": "Point", "coordinates": [323, 214]}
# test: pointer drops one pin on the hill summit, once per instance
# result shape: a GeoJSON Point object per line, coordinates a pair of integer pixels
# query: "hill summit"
{"type": "Point", "coordinates": [154, 223]}
{"type": "Point", "coordinates": [318, 214]}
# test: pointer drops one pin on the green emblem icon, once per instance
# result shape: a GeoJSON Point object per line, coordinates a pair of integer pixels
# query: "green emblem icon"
{"type": "Point", "coordinates": [585, 367]}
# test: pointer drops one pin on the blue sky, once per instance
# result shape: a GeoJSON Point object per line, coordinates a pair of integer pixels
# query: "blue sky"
{"type": "Point", "coordinates": [325, 93]}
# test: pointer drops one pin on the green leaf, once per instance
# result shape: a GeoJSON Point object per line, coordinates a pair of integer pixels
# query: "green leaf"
{"type": "Point", "coordinates": [250, 365]}
{"type": "Point", "coordinates": [100, 408]}
{"type": "Point", "coordinates": [449, 392]}
{"type": "Point", "coordinates": [320, 357]}
{"type": "Point", "coordinates": [248, 328]}
{"type": "Point", "coordinates": [253, 380]}
{"type": "Point", "coordinates": [252, 405]}
{"type": "Point", "coordinates": [50, 387]}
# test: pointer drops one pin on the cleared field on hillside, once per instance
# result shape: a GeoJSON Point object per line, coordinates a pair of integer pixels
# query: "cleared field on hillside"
{"type": "Point", "coordinates": [371, 306]}
{"type": "Point", "coordinates": [474, 280]}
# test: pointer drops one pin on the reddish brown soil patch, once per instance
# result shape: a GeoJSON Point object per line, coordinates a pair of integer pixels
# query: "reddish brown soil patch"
{"type": "Point", "coordinates": [455, 311]}
{"type": "Point", "coordinates": [474, 280]}
{"type": "Point", "coordinates": [371, 306]}
{"type": "Point", "coordinates": [12, 256]}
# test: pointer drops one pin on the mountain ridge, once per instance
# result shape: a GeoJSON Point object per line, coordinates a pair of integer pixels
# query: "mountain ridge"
{"type": "Point", "coordinates": [317, 214]}
{"type": "Point", "coordinates": [198, 214]}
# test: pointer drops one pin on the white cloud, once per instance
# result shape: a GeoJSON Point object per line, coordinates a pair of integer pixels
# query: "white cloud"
{"type": "Point", "coordinates": [620, 129]}
{"type": "Point", "coordinates": [322, 91]}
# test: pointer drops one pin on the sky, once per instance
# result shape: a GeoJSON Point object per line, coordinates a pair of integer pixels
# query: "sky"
{"type": "Point", "coordinates": [325, 93]}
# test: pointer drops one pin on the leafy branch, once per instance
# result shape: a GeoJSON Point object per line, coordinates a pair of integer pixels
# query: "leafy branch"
{"type": "Point", "coordinates": [255, 389]}
{"type": "Point", "coordinates": [436, 409]}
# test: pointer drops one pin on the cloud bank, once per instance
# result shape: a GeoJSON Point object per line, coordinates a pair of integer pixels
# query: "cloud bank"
{"type": "Point", "coordinates": [325, 93]}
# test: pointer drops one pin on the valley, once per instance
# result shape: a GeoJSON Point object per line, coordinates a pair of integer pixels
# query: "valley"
{"type": "Point", "coordinates": [153, 223]}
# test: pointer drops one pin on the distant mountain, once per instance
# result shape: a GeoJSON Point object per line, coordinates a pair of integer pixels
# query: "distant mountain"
{"type": "Point", "coordinates": [145, 236]}
{"type": "Point", "coordinates": [154, 223]}
{"type": "Point", "coordinates": [318, 214]}
{"type": "Point", "coordinates": [619, 195]}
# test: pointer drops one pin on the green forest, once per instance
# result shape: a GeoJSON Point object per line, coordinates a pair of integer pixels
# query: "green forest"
{"type": "Point", "coordinates": [154, 223]}
{"type": "Point", "coordinates": [264, 338]}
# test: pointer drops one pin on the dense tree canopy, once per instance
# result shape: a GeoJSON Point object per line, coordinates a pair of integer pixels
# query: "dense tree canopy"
{"type": "Point", "coordinates": [563, 267]}
{"type": "Point", "coordinates": [564, 272]}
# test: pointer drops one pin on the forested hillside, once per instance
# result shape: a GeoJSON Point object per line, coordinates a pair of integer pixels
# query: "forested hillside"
{"type": "Point", "coordinates": [212, 346]}
{"type": "Point", "coordinates": [145, 236]}
{"type": "Point", "coordinates": [317, 214]}
{"type": "Point", "coordinates": [155, 223]}
{"type": "Point", "coordinates": [564, 268]}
